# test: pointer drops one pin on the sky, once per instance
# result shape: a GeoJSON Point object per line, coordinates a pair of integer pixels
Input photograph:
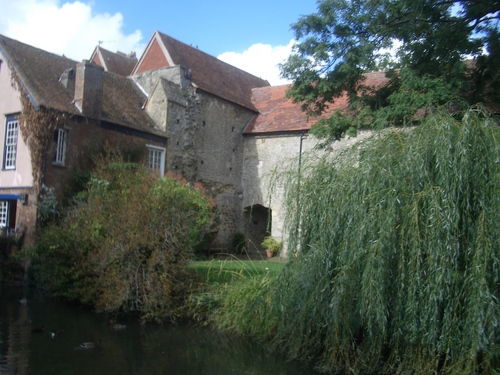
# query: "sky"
{"type": "Point", "coordinates": [253, 35]}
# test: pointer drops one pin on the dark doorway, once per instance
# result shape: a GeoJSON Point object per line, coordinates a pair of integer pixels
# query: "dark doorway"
{"type": "Point", "coordinates": [258, 221]}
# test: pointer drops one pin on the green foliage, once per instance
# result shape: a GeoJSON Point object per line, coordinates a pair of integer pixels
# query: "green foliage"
{"type": "Point", "coordinates": [271, 244]}
{"type": "Point", "coordinates": [125, 245]}
{"type": "Point", "coordinates": [238, 243]}
{"type": "Point", "coordinates": [226, 271]}
{"type": "Point", "coordinates": [228, 289]}
{"type": "Point", "coordinates": [59, 264]}
{"type": "Point", "coordinates": [47, 207]}
{"type": "Point", "coordinates": [398, 255]}
{"type": "Point", "coordinates": [429, 42]}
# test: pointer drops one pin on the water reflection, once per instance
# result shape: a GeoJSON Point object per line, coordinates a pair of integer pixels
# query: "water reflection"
{"type": "Point", "coordinates": [27, 346]}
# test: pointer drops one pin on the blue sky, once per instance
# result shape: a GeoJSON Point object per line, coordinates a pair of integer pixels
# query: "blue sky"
{"type": "Point", "coordinates": [215, 26]}
{"type": "Point", "coordinates": [254, 35]}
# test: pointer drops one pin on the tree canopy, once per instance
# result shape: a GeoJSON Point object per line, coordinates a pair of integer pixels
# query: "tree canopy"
{"type": "Point", "coordinates": [432, 53]}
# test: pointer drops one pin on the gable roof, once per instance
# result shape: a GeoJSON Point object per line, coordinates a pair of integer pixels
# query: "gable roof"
{"type": "Point", "coordinates": [114, 62]}
{"type": "Point", "coordinates": [277, 113]}
{"type": "Point", "coordinates": [207, 72]}
{"type": "Point", "coordinates": [39, 72]}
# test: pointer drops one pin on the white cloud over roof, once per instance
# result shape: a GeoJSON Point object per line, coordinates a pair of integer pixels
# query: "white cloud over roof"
{"type": "Point", "coordinates": [261, 60]}
{"type": "Point", "coordinates": [73, 29]}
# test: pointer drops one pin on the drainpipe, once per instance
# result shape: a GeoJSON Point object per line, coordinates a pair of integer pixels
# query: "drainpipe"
{"type": "Point", "coordinates": [302, 137]}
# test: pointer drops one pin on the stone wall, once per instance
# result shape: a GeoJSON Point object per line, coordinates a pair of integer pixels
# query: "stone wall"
{"type": "Point", "coordinates": [265, 157]}
{"type": "Point", "coordinates": [212, 154]}
{"type": "Point", "coordinates": [205, 142]}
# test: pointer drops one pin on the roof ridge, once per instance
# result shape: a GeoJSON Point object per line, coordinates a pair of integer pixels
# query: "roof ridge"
{"type": "Point", "coordinates": [211, 56]}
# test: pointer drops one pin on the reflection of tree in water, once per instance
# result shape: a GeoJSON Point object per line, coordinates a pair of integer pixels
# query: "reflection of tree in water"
{"type": "Point", "coordinates": [199, 350]}
{"type": "Point", "coordinates": [15, 329]}
{"type": "Point", "coordinates": [151, 349]}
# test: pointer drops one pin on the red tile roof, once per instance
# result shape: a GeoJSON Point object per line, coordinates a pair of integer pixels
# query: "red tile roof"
{"type": "Point", "coordinates": [277, 113]}
{"type": "Point", "coordinates": [39, 72]}
{"type": "Point", "coordinates": [207, 72]}
{"type": "Point", "coordinates": [112, 62]}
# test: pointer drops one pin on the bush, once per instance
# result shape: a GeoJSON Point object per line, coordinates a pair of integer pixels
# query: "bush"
{"type": "Point", "coordinates": [271, 244]}
{"type": "Point", "coordinates": [238, 243]}
{"type": "Point", "coordinates": [125, 245]}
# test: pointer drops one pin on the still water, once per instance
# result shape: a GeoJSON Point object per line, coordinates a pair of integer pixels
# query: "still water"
{"type": "Point", "coordinates": [26, 345]}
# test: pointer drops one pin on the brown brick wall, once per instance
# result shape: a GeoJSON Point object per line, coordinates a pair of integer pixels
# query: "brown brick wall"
{"type": "Point", "coordinates": [84, 142]}
{"type": "Point", "coordinates": [154, 59]}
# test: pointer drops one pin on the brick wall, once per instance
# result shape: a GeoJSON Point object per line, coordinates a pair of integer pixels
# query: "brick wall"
{"type": "Point", "coordinates": [154, 59]}
{"type": "Point", "coordinates": [86, 140]}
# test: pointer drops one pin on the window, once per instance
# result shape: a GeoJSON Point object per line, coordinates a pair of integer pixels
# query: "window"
{"type": "Point", "coordinates": [8, 212]}
{"type": "Point", "coordinates": [10, 149]}
{"type": "Point", "coordinates": [60, 140]}
{"type": "Point", "coordinates": [4, 214]}
{"type": "Point", "coordinates": [156, 159]}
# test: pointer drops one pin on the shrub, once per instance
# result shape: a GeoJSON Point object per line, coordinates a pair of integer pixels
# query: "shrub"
{"type": "Point", "coordinates": [238, 243]}
{"type": "Point", "coordinates": [271, 244]}
{"type": "Point", "coordinates": [125, 245]}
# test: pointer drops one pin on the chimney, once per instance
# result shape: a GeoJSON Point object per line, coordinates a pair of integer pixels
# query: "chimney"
{"type": "Point", "coordinates": [88, 89]}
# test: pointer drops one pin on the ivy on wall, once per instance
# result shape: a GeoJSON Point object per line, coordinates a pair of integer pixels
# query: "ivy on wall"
{"type": "Point", "coordinates": [37, 128]}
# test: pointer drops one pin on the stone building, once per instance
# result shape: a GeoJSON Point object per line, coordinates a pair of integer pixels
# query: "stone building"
{"type": "Point", "coordinates": [189, 112]}
{"type": "Point", "coordinates": [204, 106]}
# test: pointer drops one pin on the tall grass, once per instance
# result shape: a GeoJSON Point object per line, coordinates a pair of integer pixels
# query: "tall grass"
{"type": "Point", "coordinates": [398, 266]}
{"type": "Point", "coordinates": [226, 288]}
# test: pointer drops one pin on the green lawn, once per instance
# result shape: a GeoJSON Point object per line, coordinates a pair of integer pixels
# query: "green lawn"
{"type": "Point", "coordinates": [224, 271]}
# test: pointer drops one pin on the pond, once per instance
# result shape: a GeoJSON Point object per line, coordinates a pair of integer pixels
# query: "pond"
{"type": "Point", "coordinates": [26, 345]}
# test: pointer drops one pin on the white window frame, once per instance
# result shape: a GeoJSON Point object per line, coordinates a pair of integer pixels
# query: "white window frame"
{"type": "Point", "coordinates": [156, 159]}
{"type": "Point", "coordinates": [11, 136]}
{"type": "Point", "coordinates": [4, 214]}
{"type": "Point", "coordinates": [60, 157]}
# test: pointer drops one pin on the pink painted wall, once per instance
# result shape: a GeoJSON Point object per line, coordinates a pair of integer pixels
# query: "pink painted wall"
{"type": "Point", "coordinates": [10, 104]}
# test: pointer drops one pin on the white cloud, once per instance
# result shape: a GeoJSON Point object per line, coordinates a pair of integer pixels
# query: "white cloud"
{"type": "Point", "coordinates": [261, 60]}
{"type": "Point", "coordinates": [69, 28]}
{"type": "Point", "coordinates": [73, 29]}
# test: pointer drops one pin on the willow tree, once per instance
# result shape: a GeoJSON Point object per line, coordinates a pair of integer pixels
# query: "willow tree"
{"type": "Point", "coordinates": [398, 262]}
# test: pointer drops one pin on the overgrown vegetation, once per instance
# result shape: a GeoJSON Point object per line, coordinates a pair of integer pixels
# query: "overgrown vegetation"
{"type": "Point", "coordinates": [125, 243]}
{"type": "Point", "coordinates": [37, 127]}
{"type": "Point", "coordinates": [398, 256]}
{"type": "Point", "coordinates": [223, 285]}
{"type": "Point", "coordinates": [238, 243]}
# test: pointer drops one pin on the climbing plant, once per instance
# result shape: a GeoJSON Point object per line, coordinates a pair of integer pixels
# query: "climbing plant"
{"type": "Point", "coordinates": [37, 127]}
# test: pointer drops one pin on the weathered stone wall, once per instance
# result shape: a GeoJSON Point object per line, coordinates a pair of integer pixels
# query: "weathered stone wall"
{"type": "Point", "coordinates": [206, 146]}
{"type": "Point", "coordinates": [175, 74]}
{"type": "Point", "coordinates": [268, 155]}
{"type": "Point", "coordinates": [205, 142]}
{"type": "Point", "coordinates": [263, 156]}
